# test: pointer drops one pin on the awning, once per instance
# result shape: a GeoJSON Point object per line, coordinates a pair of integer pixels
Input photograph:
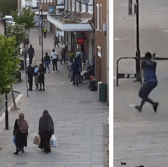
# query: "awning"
{"type": "Point", "coordinates": [69, 26]}
{"type": "Point", "coordinates": [44, 13]}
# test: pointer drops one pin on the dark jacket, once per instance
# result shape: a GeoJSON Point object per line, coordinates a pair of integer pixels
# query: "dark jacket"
{"type": "Point", "coordinates": [75, 66]}
{"type": "Point", "coordinates": [31, 52]}
{"type": "Point", "coordinates": [63, 52]}
{"type": "Point", "coordinates": [30, 72]}
{"type": "Point", "coordinates": [47, 58]}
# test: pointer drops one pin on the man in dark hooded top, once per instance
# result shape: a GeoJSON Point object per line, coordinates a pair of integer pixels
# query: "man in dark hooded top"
{"type": "Point", "coordinates": [46, 129]}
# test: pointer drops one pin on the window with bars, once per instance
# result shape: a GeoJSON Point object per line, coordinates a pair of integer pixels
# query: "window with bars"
{"type": "Point", "coordinates": [69, 5]}
{"type": "Point", "coordinates": [73, 5]}
{"type": "Point", "coordinates": [77, 6]}
{"type": "Point", "coordinates": [60, 2]}
{"type": "Point", "coordinates": [83, 8]}
{"type": "Point", "coordinates": [100, 11]}
{"type": "Point", "coordinates": [90, 8]}
{"type": "Point", "coordinates": [97, 15]}
{"type": "Point", "coordinates": [66, 5]}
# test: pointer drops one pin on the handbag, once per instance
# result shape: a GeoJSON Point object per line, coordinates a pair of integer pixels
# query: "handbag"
{"type": "Point", "coordinates": [53, 141]}
{"type": "Point", "coordinates": [37, 140]}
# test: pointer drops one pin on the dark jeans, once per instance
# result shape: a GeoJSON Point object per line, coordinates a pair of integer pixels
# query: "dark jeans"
{"type": "Point", "coordinates": [30, 81]}
{"type": "Point", "coordinates": [146, 89]}
{"type": "Point", "coordinates": [41, 81]}
{"type": "Point", "coordinates": [44, 34]}
{"type": "Point", "coordinates": [47, 63]}
{"type": "Point", "coordinates": [74, 74]}
{"type": "Point", "coordinates": [63, 58]}
{"type": "Point", "coordinates": [56, 43]}
{"type": "Point", "coordinates": [54, 61]}
{"type": "Point", "coordinates": [30, 60]}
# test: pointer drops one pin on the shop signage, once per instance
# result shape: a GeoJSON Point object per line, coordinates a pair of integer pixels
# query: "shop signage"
{"type": "Point", "coordinates": [51, 9]}
{"type": "Point", "coordinates": [80, 40]}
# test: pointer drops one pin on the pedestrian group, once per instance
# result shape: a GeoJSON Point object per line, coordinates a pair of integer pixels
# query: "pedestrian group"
{"type": "Point", "coordinates": [45, 131]}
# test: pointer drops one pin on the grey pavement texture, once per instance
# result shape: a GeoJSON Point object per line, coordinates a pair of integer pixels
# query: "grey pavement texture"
{"type": "Point", "coordinates": [79, 120]}
{"type": "Point", "coordinates": [140, 138]}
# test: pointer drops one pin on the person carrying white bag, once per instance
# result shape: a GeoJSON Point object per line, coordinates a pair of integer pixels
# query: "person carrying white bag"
{"type": "Point", "coordinates": [53, 141]}
{"type": "Point", "coordinates": [46, 130]}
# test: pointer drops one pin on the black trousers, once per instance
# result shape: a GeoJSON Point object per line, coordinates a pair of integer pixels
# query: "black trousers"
{"type": "Point", "coordinates": [30, 81]}
{"type": "Point", "coordinates": [45, 34]}
{"type": "Point", "coordinates": [30, 60]}
{"type": "Point", "coordinates": [63, 58]}
{"type": "Point", "coordinates": [54, 61]}
{"type": "Point", "coordinates": [146, 89]}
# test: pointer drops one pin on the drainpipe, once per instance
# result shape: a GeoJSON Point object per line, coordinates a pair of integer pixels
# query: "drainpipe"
{"type": "Point", "coordinates": [107, 52]}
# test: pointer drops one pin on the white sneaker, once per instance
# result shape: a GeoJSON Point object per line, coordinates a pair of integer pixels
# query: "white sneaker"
{"type": "Point", "coordinates": [71, 83]}
{"type": "Point", "coordinates": [53, 71]}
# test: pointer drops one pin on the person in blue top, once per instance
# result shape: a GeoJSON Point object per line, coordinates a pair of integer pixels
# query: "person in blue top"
{"type": "Point", "coordinates": [150, 81]}
{"type": "Point", "coordinates": [75, 68]}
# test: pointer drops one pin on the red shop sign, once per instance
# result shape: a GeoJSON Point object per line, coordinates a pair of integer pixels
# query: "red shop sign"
{"type": "Point", "coordinates": [80, 40]}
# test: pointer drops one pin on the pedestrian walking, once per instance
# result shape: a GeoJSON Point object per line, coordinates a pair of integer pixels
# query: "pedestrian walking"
{"type": "Point", "coordinates": [45, 32]}
{"type": "Point", "coordinates": [150, 82]}
{"type": "Point", "coordinates": [54, 57]}
{"type": "Point", "coordinates": [75, 68]}
{"type": "Point", "coordinates": [47, 62]}
{"type": "Point", "coordinates": [30, 72]}
{"type": "Point", "coordinates": [42, 71]}
{"type": "Point", "coordinates": [31, 54]}
{"type": "Point", "coordinates": [63, 53]}
{"type": "Point", "coordinates": [79, 57]}
{"type": "Point", "coordinates": [56, 41]}
{"type": "Point", "coordinates": [36, 75]}
{"type": "Point", "coordinates": [46, 129]}
{"type": "Point", "coordinates": [20, 133]}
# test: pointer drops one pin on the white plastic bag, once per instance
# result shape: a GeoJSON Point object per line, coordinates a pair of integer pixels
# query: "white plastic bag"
{"type": "Point", "coordinates": [53, 141]}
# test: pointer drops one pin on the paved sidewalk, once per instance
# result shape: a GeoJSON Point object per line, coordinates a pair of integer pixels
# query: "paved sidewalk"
{"type": "Point", "coordinates": [78, 117]}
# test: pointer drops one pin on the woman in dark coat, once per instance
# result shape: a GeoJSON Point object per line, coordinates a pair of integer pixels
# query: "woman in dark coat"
{"type": "Point", "coordinates": [46, 129]}
{"type": "Point", "coordinates": [20, 132]}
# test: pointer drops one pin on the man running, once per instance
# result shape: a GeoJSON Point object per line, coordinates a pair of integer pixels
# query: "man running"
{"type": "Point", "coordinates": [150, 82]}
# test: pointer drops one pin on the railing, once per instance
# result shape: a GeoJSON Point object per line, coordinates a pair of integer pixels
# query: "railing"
{"type": "Point", "coordinates": [123, 75]}
{"type": "Point", "coordinates": [131, 75]}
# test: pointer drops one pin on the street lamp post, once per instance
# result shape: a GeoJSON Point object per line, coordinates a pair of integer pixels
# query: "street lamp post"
{"type": "Point", "coordinates": [138, 75]}
{"type": "Point", "coordinates": [42, 33]}
{"type": "Point", "coordinates": [6, 96]}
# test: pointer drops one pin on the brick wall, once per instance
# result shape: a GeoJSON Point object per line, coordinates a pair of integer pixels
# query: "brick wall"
{"type": "Point", "coordinates": [100, 41]}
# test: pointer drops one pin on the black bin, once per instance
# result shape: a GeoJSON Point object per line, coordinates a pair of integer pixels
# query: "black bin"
{"type": "Point", "coordinates": [92, 85]}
